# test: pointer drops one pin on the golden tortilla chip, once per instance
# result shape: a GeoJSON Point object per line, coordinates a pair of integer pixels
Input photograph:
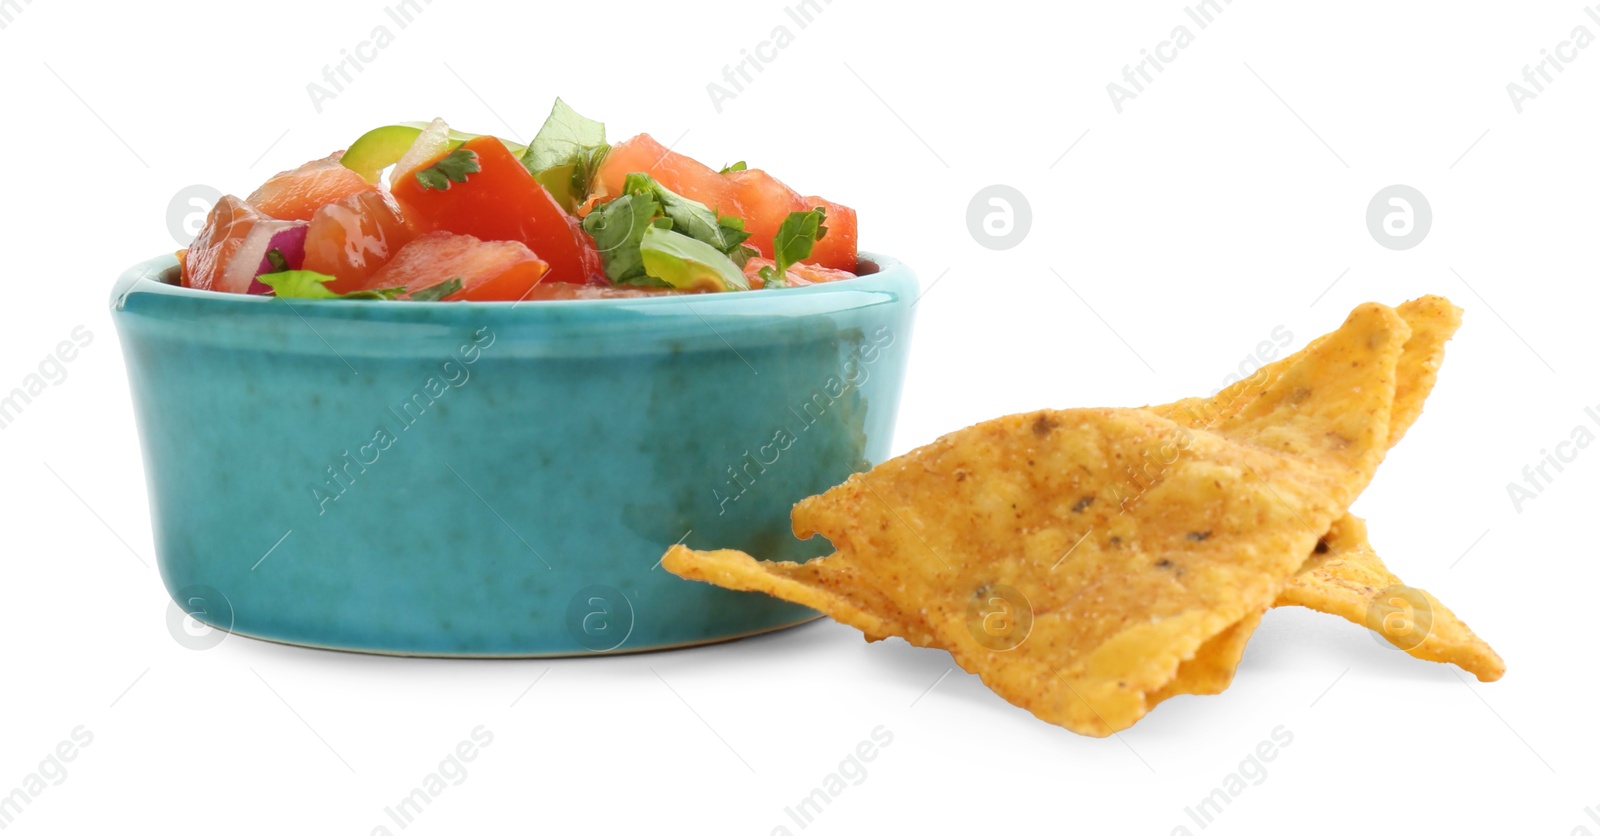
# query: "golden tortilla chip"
{"type": "Point", "coordinates": [1129, 554]}
{"type": "Point", "coordinates": [828, 584]}
{"type": "Point", "coordinates": [1348, 580]}
{"type": "Point", "coordinates": [1341, 585]}
{"type": "Point", "coordinates": [1212, 668]}
{"type": "Point", "coordinates": [1433, 320]}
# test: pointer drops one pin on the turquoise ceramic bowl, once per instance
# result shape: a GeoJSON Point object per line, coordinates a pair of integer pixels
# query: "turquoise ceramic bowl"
{"type": "Point", "coordinates": [498, 479]}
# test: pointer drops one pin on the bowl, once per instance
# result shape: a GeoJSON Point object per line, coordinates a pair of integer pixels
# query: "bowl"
{"type": "Point", "coordinates": [498, 479]}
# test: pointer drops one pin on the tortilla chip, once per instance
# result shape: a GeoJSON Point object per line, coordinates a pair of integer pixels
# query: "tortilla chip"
{"type": "Point", "coordinates": [1331, 585]}
{"type": "Point", "coordinates": [1433, 320]}
{"type": "Point", "coordinates": [1350, 581]}
{"type": "Point", "coordinates": [828, 584]}
{"type": "Point", "coordinates": [1144, 551]}
{"type": "Point", "coordinates": [1214, 663]}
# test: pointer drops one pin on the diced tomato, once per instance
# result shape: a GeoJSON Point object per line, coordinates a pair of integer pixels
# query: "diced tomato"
{"type": "Point", "coordinates": [490, 271]}
{"type": "Point", "coordinates": [817, 274]}
{"type": "Point", "coordinates": [549, 291]}
{"type": "Point", "coordinates": [837, 249]}
{"type": "Point", "coordinates": [297, 194]}
{"type": "Point", "coordinates": [502, 202]}
{"type": "Point", "coordinates": [797, 274]}
{"type": "Point", "coordinates": [761, 200]}
{"type": "Point", "coordinates": [231, 249]}
{"type": "Point", "coordinates": [680, 174]}
{"type": "Point", "coordinates": [225, 229]}
{"type": "Point", "coordinates": [353, 238]}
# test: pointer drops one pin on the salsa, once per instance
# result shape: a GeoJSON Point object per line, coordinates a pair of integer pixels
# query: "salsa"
{"type": "Point", "coordinates": [470, 217]}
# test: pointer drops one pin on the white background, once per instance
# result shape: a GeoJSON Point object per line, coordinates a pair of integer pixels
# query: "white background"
{"type": "Point", "coordinates": [1172, 238]}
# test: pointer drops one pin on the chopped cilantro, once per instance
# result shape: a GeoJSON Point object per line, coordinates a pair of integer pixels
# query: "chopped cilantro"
{"type": "Point", "coordinates": [452, 168]}
{"type": "Point", "coordinates": [308, 284]}
{"type": "Point", "coordinates": [734, 229]}
{"type": "Point", "coordinates": [434, 293]}
{"type": "Point", "coordinates": [796, 237]}
{"type": "Point", "coordinates": [617, 228]}
{"type": "Point", "coordinates": [691, 217]}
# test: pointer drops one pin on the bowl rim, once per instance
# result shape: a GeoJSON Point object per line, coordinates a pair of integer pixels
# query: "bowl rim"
{"type": "Point", "coordinates": [147, 279]}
